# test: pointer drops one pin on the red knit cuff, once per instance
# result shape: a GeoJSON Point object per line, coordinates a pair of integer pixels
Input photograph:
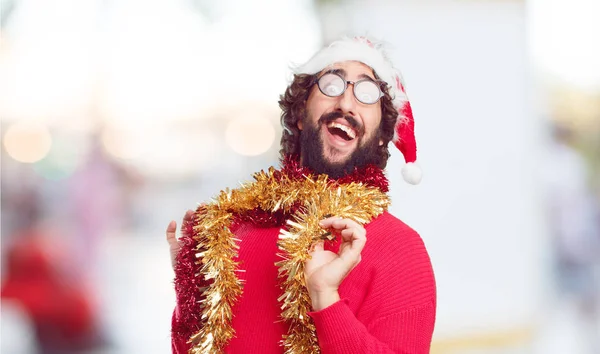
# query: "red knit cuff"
{"type": "Point", "coordinates": [335, 324]}
{"type": "Point", "coordinates": [329, 309]}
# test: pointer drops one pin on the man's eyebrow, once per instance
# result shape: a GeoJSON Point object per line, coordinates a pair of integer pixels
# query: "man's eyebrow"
{"type": "Point", "coordinates": [365, 76]}
{"type": "Point", "coordinates": [340, 72]}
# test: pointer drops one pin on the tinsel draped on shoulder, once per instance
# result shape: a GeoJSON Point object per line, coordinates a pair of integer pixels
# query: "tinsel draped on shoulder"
{"type": "Point", "coordinates": [292, 197]}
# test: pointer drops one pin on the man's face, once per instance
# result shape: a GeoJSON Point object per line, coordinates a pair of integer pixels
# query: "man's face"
{"type": "Point", "coordinates": [340, 133]}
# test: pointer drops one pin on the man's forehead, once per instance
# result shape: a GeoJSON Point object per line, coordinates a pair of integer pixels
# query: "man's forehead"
{"type": "Point", "coordinates": [351, 68]}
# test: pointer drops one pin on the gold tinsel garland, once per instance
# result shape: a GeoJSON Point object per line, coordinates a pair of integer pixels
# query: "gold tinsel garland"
{"type": "Point", "coordinates": [218, 249]}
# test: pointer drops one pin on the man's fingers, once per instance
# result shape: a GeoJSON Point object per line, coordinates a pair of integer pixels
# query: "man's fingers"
{"type": "Point", "coordinates": [354, 239]}
{"type": "Point", "coordinates": [354, 234]}
{"type": "Point", "coordinates": [187, 219]}
{"type": "Point", "coordinates": [338, 223]}
{"type": "Point", "coordinates": [325, 223]}
{"type": "Point", "coordinates": [350, 228]}
{"type": "Point", "coordinates": [188, 216]}
{"type": "Point", "coordinates": [345, 224]}
{"type": "Point", "coordinates": [171, 232]}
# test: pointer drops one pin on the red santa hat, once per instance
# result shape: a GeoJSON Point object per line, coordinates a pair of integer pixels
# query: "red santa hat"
{"type": "Point", "coordinates": [372, 54]}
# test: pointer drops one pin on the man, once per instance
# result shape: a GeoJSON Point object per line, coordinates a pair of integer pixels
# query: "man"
{"type": "Point", "coordinates": [283, 264]}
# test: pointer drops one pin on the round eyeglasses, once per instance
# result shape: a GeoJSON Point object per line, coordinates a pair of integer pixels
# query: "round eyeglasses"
{"type": "Point", "coordinates": [366, 91]}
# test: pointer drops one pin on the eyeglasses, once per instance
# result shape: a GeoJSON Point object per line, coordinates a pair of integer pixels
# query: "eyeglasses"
{"type": "Point", "coordinates": [366, 91]}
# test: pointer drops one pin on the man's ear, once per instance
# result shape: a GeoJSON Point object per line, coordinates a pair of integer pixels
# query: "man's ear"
{"type": "Point", "coordinates": [299, 124]}
{"type": "Point", "coordinates": [380, 142]}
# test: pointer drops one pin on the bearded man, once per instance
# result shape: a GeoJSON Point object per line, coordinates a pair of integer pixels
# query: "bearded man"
{"type": "Point", "coordinates": [306, 259]}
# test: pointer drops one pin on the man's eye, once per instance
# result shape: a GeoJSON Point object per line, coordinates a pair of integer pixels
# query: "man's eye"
{"type": "Point", "coordinates": [333, 90]}
{"type": "Point", "coordinates": [365, 97]}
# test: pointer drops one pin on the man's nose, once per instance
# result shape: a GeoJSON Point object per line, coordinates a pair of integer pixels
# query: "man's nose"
{"type": "Point", "coordinates": [347, 101]}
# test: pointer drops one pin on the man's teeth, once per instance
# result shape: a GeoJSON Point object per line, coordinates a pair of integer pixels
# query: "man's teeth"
{"type": "Point", "coordinates": [345, 128]}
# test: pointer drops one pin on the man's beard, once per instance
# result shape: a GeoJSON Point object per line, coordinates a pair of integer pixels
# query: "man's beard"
{"type": "Point", "coordinates": [313, 154]}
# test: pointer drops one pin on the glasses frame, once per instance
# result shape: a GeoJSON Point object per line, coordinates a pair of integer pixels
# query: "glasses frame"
{"type": "Point", "coordinates": [354, 84]}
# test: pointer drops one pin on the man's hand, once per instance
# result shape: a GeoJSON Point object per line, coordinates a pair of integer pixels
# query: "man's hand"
{"type": "Point", "coordinates": [174, 243]}
{"type": "Point", "coordinates": [325, 271]}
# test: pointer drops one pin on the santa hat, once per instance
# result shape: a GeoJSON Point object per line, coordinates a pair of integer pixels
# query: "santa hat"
{"type": "Point", "coordinates": [372, 54]}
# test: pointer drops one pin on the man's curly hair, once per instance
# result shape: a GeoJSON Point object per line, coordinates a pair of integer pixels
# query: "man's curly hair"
{"type": "Point", "coordinates": [293, 106]}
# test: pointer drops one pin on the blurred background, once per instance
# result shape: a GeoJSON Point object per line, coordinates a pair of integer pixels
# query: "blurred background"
{"type": "Point", "coordinates": [117, 116]}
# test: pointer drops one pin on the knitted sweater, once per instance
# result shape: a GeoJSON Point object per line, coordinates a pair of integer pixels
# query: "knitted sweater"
{"type": "Point", "coordinates": [388, 301]}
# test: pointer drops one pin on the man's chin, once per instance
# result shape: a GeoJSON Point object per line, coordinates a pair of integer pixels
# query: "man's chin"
{"type": "Point", "coordinates": [333, 169]}
{"type": "Point", "coordinates": [337, 161]}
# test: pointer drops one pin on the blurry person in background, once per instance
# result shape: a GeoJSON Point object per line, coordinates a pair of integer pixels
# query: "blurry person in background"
{"type": "Point", "coordinates": [575, 233]}
{"type": "Point", "coordinates": [36, 279]}
{"type": "Point", "coordinates": [370, 287]}
{"type": "Point", "coordinates": [112, 188]}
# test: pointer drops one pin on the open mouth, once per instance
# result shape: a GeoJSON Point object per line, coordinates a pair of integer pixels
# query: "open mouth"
{"type": "Point", "coordinates": [343, 131]}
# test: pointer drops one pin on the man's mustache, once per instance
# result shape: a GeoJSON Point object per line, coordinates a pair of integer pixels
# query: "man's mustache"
{"type": "Point", "coordinates": [331, 116]}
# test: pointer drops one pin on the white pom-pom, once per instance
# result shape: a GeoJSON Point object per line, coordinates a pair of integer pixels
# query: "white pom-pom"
{"type": "Point", "coordinates": [411, 172]}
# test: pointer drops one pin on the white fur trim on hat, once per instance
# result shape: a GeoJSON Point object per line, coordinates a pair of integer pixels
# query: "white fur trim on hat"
{"type": "Point", "coordinates": [411, 172]}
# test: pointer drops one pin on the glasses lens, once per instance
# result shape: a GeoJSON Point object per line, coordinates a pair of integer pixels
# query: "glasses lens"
{"type": "Point", "coordinates": [367, 92]}
{"type": "Point", "coordinates": [331, 85]}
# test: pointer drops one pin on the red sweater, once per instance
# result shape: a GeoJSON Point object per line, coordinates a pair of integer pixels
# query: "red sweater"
{"type": "Point", "coordinates": [388, 301]}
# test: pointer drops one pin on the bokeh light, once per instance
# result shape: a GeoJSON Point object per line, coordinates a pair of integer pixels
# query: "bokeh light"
{"type": "Point", "coordinates": [125, 143]}
{"type": "Point", "coordinates": [65, 156]}
{"type": "Point", "coordinates": [27, 142]}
